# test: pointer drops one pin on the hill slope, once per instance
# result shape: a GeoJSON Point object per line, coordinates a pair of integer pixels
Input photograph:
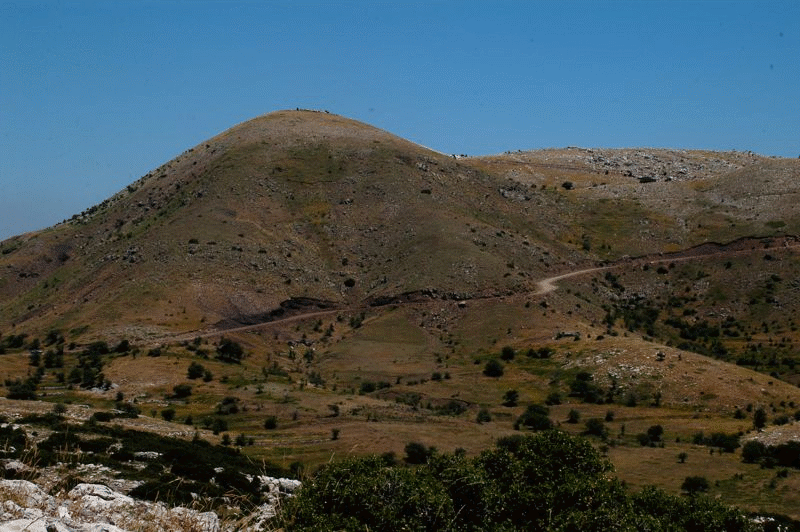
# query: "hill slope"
{"type": "Point", "coordinates": [289, 205]}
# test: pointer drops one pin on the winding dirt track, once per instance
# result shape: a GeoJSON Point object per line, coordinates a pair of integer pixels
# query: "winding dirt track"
{"type": "Point", "coordinates": [544, 286]}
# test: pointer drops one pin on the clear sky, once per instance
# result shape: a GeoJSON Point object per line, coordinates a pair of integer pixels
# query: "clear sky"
{"type": "Point", "coordinates": [95, 94]}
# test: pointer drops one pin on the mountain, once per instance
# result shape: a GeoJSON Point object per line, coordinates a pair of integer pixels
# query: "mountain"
{"type": "Point", "coordinates": [361, 284]}
{"type": "Point", "coordinates": [289, 205]}
{"type": "Point", "coordinates": [318, 208]}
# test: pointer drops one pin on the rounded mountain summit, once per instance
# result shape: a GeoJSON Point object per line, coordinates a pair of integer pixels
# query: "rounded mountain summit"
{"type": "Point", "coordinates": [291, 209]}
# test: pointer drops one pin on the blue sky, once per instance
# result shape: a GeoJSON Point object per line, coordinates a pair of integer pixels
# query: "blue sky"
{"type": "Point", "coordinates": [95, 94]}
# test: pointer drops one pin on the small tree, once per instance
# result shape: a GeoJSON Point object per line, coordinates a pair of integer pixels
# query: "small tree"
{"type": "Point", "coordinates": [695, 485]}
{"type": "Point", "coordinates": [168, 414]}
{"type": "Point", "coordinates": [760, 418]}
{"type": "Point", "coordinates": [271, 422]}
{"type": "Point", "coordinates": [574, 416]}
{"type": "Point", "coordinates": [682, 457]}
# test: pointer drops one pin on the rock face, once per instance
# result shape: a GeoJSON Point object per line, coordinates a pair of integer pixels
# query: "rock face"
{"type": "Point", "coordinates": [91, 507]}
{"type": "Point", "coordinates": [96, 508]}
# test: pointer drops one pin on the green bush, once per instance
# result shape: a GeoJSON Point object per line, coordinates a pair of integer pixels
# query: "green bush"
{"type": "Point", "coordinates": [694, 485]}
{"type": "Point", "coordinates": [596, 427]}
{"type": "Point", "coordinates": [573, 416]}
{"type": "Point", "coordinates": [229, 405]}
{"type": "Point", "coordinates": [229, 351]}
{"type": "Point", "coordinates": [546, 481]}
{"type": "Point", "coordinates": [535, 417]}
{"type": "Point", "coordinates": [181, 391]}
{"type": "Point", "coordinates": [753, 451]}
{"type": "Point", "coordinates": [508, 353]}
{"type": "Point", "coordinates": [553, 398]}
{"type": "Point", "coordinates": [417, 453]}
{"type": "Point", "coordinates": [510, 398]}
{"type": "Point", "coordinates": [24, 390]}
{"type": "Point", "coordinates": [195, 371]}
{"type": "Point", "coordinates": [493, 368]}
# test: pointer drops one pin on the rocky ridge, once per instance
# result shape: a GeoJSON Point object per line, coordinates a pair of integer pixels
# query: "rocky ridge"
{"type": "Point", "coordinates": [95, 507]}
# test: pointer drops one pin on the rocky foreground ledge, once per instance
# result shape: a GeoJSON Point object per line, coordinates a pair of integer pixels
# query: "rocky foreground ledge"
{"type": "Point", "coordinates": [98, 508]}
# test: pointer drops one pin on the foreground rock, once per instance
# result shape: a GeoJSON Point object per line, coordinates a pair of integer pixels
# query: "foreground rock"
{"type": "Point", "coordinates": [96, 507]}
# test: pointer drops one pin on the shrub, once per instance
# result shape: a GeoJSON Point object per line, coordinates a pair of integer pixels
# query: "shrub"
{"type": "Point", "coordinates": [180, 391]}
{"type": "Point", "coordinates": [783, 419]}
{"type": "Point", "coordinates": [726, 442]}
{"type": "Point", "coordinates": [596, 427]}
{"type": "Point", "coordinates": [655, 432]}
{"type": "Point", "coordinates": [229, 351]}
{"type": "Point", "coordinates": [483, 416]}
{"type": "Point", "coordinates": [271, 422]}
{"type": "Point", "coordinates": [123, 347]}
{"type": "Point", "coordinates": [510, 398]}
{"type": "Point", "coordinates": [219, 425]}
{"type": "Point", "coordinates": [547, 481]}
{"type": "Point", "coordinates": [554, 398]}
{"type": "Point", "coordinates": [759, 418]}
{"type": "Point", "coordinates": [24, 390]}
{"type": "Point", "coordinates": [493, 368]}
{"type": "Point", "coordinates": [584, 387]}
{"type": "Point", "coordinates": [195, 371]}
{"type": "Point", "coordinates": [694, 485]}
{"type": "Point", "coordinates": [367, 387]}
{"type": "Point", "coordinates": [574, 416]}
{"type": "Point", "coordinates": [417, 453]}
{"type": "Point", "coordinates": [452, 408]}
{"type": "Point", "coordinates": [228, 405]}
{"type": "Point", "coordinates": [168, 414]}
{"type": "Point", "coordinates": [508, 353]}
{"type": "Point", "coordinates": [753, 451]}
{"type": "Point", "coordinates": [535, 417]}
